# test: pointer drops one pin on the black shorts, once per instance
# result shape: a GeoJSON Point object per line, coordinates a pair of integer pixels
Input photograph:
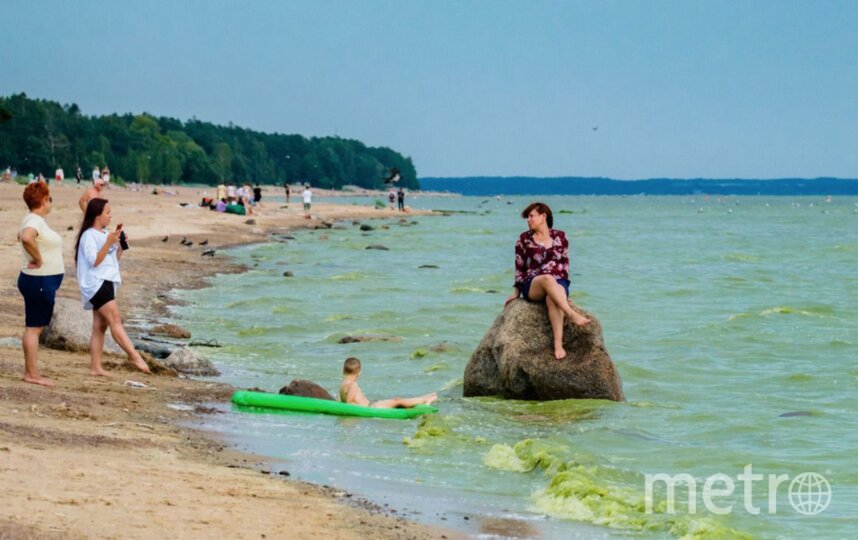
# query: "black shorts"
{"type": "Point", "coordinates": [104, 295]}
{"type": "Point", "coordinates": [39, 294]}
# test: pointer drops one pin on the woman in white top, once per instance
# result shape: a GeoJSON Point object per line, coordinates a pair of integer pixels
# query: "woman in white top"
{"type": "Point", "coordinates": [41, 274]}
{"type": "Point", "coordinates": [97, 254]}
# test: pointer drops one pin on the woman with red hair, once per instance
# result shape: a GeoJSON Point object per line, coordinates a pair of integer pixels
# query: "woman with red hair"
{"type": "Point", "coordinates": [542, 271]}
{"type": "Point", "coordinates": [41, 275]}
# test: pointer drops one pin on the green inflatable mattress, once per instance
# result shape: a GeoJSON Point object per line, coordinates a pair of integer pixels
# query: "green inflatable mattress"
{"type": "Point", "coordinates": [324, 406]}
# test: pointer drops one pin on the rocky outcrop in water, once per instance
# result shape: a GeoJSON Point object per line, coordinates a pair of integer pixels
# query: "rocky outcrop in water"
{"type": "Point", "coordinates": [305, 388]}
{"type": "Point", "coordinates": [515, 359]}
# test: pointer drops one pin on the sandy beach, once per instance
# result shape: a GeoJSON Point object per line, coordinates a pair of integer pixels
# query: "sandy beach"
{"type": "Point", "coordinates": [95, 458]}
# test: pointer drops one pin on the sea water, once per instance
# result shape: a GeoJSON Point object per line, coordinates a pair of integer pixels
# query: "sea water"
{"type": "Point", "coordinates": [733, 323]}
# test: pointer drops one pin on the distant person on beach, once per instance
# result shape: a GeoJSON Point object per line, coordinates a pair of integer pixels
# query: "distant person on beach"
{"type": "Point", "coordinates": [542, 271]}
{"type": "Point", "coordinates": [96, 173]}
{"type": "Point", "coordinates": [92, 192]}
{"type": "Point", "coordinates": [288, 191]}
{"type": "Point", "coordinates": [78, 174]}
{"type": "Point", "coordinates": [59, 176]}
{"type": "Point", "coordinates": [307, 195]}
{"type": "Point", "coordinates": [400, 199]}
{"type": "Point", "coordinates": [257, 194]}
{"type": "Point", "coordinates": [351, 393]}
{"type": "Point", "coordinates": [221, 191]}
{"type": "Point", "coordinates": [231, 192]}
{"type": "Point", "coordinates": [97, 254]}
{"type": "Point", "coordinates": [105, 175]}
{"type": "Point", "coordinates": [391, 199]}
{"type": "Point", "coordinates": [41, 274]}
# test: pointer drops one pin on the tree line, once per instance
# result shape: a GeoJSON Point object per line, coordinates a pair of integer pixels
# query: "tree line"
{"type": "Point", "coordinates": [39, 135]}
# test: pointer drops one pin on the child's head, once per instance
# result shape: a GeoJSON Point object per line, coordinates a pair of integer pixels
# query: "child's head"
{"type": "Point", "coordinates": [351, 366]}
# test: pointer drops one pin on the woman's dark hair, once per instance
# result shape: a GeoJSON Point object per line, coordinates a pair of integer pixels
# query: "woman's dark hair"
{"type": "Point", "coordinates": [94, 208]}
{"type": "Point", "coordinates": [543, 209]}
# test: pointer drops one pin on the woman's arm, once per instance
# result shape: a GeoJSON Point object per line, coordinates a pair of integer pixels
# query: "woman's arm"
{"type": "Point", "coordinates": [28, 240]}
{"type": "Point", "coordinates": [562, 254]}
{"type": "Point", "coordinates": [94, 255]}
{"type": "Point", "coordinates": [520, 266]}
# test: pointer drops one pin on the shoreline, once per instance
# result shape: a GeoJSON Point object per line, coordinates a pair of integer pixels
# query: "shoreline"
{"type": "Point", "coordinates": [92, 446]}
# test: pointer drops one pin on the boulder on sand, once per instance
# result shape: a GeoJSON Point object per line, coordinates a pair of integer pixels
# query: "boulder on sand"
{"type": "Point", "coordinates": [71, 328]}
{"type": "Point", "coordinates": [305, 388]}
{"type": "Point", "coordinates": [515, 359]}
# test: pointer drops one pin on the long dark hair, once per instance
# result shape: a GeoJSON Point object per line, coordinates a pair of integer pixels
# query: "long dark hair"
{"type": "Point", "coordinates": [94, 208]}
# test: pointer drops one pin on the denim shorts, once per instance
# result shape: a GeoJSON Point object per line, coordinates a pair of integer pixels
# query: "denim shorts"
{"type": "Point", "coordinates": [39, 294]}
{"type": "Point", "coordinates": [525, 287]}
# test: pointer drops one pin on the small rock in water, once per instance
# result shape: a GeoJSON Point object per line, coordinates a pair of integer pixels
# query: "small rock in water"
{"type": "Point", "coordinates": [365, 227]}
{"type": "Point", "coordinates": [171, 330]}
{"type": "Point", "coordinates": [287, 273]}
{"type": "Point", "coordinates": [428, 266]}
{"type": "Point", "coordinates": [795, 413]}
{"type": "Point", "coordinates": [365, 338]}
{"type": "Point", "coordinates": [191, 362]}
{"type": "Point", "coordinates": [378, 247]}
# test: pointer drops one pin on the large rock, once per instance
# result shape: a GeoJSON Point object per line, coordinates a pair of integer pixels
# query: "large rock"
{"type": "Point", "coordinates": [71, 328]}
{"type": "Point", "coordinates": [305, 388]}
{"type": "Point", "coordinates": [515, 359]}
{"type": "Point", "coordinates": [191, 362]}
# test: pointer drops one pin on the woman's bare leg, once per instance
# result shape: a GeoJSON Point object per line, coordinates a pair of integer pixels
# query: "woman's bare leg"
{"type": "Point", "coordinates": [546, 286]}
{"type": "Point", "coordinates": [110, 313]}
{"type": "Point", "coordinates": [96, 345]}
{"type": "Point", "coordinates": [555, 315]}
{"type": "Point", "coordinates": [405, 403]}
{"type": "Point", "coordinates": [30, 344]}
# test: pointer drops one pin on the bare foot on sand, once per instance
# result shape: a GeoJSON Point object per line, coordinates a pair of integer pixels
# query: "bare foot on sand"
{"type": "Point", "coordinates": [429, 399]}
{"type": "Point", "coordinates": [559, 352]}
{"type": "Point", "coordinates": [38, 379]}
{"type": "Point", "coordinates": [99, 373]}
{"type": "Point", "coordinates": [141, 364]}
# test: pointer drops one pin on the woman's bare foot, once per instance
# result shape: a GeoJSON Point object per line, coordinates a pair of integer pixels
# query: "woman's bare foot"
{"type": "Point", "coordinates": [141, 364]}
{"type": "Point", "coordinates": [559, 352]}
{"type": "Point", "coordinates": [38, 379]}
{"type": "Point", "coordinates": [579, 320]}
{"type": "Point", "coordinates": [99, 372]}
{"type": "Point", "coordinates": [429, 399]}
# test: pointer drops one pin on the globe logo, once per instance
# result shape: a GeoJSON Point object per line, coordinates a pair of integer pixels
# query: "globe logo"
{"type": "Point", "coordinates": [809, 493]}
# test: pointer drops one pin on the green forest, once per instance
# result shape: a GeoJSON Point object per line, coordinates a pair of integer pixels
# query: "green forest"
{"type": "Point", "coordinates": [37, 136]}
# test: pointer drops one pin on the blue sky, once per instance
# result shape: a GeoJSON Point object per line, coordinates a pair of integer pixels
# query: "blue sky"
{"type": "Point", "coordinates": [676, 89]}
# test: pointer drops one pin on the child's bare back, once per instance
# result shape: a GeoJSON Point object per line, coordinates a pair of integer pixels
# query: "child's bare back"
{"type": "Point", "coordinates": [351, 393]}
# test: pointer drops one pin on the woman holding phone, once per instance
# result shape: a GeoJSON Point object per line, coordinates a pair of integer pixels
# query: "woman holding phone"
{"type": "Point", "coordinates": [97, 254]}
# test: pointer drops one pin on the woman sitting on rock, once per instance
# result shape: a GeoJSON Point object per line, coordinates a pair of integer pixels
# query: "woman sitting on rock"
{"type": "Point", "coordinates": [542, 271]}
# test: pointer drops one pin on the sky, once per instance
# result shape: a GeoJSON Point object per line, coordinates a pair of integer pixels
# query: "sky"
{"type": "Point", "coordinates": [620, 89]}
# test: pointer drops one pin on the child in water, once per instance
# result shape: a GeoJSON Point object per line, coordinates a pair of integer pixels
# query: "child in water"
{"type": "Point", "coordinates": [351, 393]}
